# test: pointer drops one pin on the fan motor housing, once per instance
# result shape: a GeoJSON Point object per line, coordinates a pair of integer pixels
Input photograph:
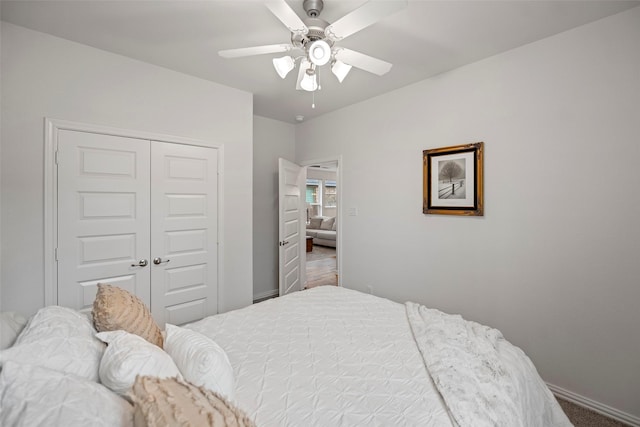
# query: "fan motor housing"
{"type": "Point", "coordinates": [316, 28]}
{"type": "Point", "coordinates": [313, 7]}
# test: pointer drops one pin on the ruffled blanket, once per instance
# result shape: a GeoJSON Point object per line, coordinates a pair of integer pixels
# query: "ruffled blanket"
{"type": "Point", "coordinates": [483, 379]}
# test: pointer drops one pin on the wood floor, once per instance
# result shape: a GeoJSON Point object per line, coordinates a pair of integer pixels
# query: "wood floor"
{"type": "Point", "coordinates": [321, 267]}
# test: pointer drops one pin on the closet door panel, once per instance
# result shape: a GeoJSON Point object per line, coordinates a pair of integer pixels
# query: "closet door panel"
{"type": "Point", "coordinates": [103, 215]}
{"type": "Point", "coordinates": [184, 219]}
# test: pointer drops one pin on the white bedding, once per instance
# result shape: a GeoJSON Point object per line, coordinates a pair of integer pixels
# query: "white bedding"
{"type": "Point", "coordinates": [327, 357]}
{"type": "Point", "coordinates": [35, 396]}
{"type": "Point", "coordinates": [484, 380]}
{"type": "Point", "coordinates": [330, 356]}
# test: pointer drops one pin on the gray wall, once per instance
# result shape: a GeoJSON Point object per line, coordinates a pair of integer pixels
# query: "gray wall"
{"type": "Point", "coordinates": [271, 139]}
{"type": "Point", "coordinates": [555, 261]}
{"type": "Point", "coordinates": [44, 76]}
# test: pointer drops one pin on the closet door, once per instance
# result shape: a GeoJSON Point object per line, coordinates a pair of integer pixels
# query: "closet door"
{"type": "Point", "coordinates": [103, 216]}
{"type": "Point", "coordinates": [184, 218]}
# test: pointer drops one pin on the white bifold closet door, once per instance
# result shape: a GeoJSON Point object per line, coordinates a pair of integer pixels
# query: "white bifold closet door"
{"type": "Point", "coordinates": [184, 220]}
{"type": "Point", "coordinates": [141, 215]}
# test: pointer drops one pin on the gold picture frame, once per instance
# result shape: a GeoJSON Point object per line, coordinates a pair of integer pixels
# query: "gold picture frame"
{"type": "Point", "coordinates": [453, 180]}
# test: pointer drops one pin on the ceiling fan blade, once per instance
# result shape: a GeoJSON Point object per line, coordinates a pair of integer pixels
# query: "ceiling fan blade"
{"type": "Point", "coordinates": [289, 18]}
{"type": "Point", "coordinates": [362, 61]}
{"type": "Point", "coordinates": [367, 14]}
{"type": "Point", "coordinates": [255, 50]}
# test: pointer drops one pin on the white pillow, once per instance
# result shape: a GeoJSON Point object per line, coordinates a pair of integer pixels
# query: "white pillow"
{"type": "Point", "coordinates": [10, 326]}
{"type": "Point", "coordinates": [58, 338]}
{"type": "Point", "coordinates": [36, 396]}
{"type": "Point", "coordinates": [201, 361]}
{"type": "Point", "coordinates": [128, 355]}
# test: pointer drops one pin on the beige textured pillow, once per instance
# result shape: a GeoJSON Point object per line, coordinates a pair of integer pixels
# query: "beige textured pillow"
{"type": "Point", "coordinates": [171, 402]}
{"type": "Point", "coordinates": [327, 223]}
{"type": "Point", "coordinates": [116, 309]}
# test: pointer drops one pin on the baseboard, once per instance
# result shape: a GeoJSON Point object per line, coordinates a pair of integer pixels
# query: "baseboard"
{"type": "Point", "coordinates": [265, 295]}
{"type": "Point", "coordinates": [598, 407]}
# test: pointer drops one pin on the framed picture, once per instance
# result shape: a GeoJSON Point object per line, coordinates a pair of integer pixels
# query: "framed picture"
{"type": "Point", "coordinates": [453, 180]}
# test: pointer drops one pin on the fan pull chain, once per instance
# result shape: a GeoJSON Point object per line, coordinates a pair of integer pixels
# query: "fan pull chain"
{"type": "Point", "coordinates": [313, 94]}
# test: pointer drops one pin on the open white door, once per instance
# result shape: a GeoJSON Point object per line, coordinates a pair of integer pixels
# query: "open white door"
{"type": "Point", "coordinates": [291, 181]}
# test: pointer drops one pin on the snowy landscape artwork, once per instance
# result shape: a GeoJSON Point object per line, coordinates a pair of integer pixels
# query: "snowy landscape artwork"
{"type": "Point", "coordinates": [453, 180]}
{"type": "Point", "coordinates": [451, 177]}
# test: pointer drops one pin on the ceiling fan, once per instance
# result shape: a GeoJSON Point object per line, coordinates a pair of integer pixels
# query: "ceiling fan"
{"type": "Point", "coordinates": [313, 41]}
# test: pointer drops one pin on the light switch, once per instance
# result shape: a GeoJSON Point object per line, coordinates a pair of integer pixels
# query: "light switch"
{"type": "Point", "coordinates": [352, 211]}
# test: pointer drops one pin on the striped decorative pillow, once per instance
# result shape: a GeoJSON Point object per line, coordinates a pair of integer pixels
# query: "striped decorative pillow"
{"type": "Point", "coordinates": [117, 309]}
{"type": "Point", "coordinates": [171, 402]}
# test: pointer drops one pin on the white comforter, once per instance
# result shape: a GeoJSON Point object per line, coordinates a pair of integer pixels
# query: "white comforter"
{"type": "Point", "coordinates": [484, 379]}
{"type": "Point", "coordinates": [327, 357]}
{"type": "Point", "coordinates": [336, 357]}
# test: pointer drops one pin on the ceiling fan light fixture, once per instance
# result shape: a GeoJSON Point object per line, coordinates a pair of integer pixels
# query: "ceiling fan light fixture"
{"type": "Point", "coordinates": [319, 52]}
{"type": "Point", "coordinates": [340, 69]}
{"type": "Point", "coordinates": [309, 82]}
{"type": "Point", "coordinates": [283, 65]}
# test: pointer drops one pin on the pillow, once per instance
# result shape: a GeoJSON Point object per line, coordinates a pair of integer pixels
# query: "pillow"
{"type": "Point", "coordinates": [10, 326]}
{"type": "Point", "coordinates": [314, 223]}
{"type": "Point", "coordinates": [117, 309]}
{"type": "Point", "coordinates": [128, 355]}
{"type": "Point", "coordinates": [58, 338]}
{"type": "Point", "coordinates": [170, 402]}
{"type": "Point", "coordinates": [36, 396]}
{"type": "Point", "coordinates": [201, 361]}
{"type": "Point", "coordinates": [327, 223]}
{"type": "Point", "coordinates": [335, 224]}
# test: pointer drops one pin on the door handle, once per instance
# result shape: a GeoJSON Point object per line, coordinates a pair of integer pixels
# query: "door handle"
{"type": "Point", "coordinates": [141, 263]}
{"type": "Point", "coordinates": [158, 261]}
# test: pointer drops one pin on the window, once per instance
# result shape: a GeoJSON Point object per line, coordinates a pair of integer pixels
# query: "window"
{"type": "Point", "coordinates": [321, 194]}
{"type": "Point", "coordinates": [330, 194]}
{"type": "Point", "coordinates": [312, 197]}
{"type": "Point", "coordinates": [313, 191]}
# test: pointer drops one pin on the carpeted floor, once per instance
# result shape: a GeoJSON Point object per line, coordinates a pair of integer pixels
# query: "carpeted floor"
{"type": "Point", "coordinates": [582, 417]}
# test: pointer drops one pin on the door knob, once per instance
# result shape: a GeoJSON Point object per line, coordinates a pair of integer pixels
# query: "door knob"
{"type": "Point", "coordinates": [158, 261]}
{"type": "Point", "coordinates": [141, 263]}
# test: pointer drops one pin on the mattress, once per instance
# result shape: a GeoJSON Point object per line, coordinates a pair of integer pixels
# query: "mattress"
{"type": "Point", "coordinates": [327, 356]}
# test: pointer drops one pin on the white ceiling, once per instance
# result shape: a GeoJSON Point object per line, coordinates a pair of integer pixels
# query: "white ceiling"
{"type": "Point", "coordinates": [425, 39]}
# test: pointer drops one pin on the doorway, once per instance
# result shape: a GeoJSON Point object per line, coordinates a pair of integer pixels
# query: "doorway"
{"type": "Point", "coordinates": [322, 224]}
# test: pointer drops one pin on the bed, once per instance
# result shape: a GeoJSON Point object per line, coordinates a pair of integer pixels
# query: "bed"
{"type": "Point", "coordinates": [331, 356]}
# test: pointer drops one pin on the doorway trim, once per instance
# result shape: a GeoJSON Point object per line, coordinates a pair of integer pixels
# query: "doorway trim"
{"type": "Point", "coordinates": [51, 128]}
{"type": "Point", "coordinates": [339, 217]}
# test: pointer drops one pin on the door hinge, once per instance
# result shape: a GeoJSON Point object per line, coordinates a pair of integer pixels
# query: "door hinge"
{"type": "Point", "coordinates": [56, 157]}
{"type": "Point", "coordinates": [55, 254]}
